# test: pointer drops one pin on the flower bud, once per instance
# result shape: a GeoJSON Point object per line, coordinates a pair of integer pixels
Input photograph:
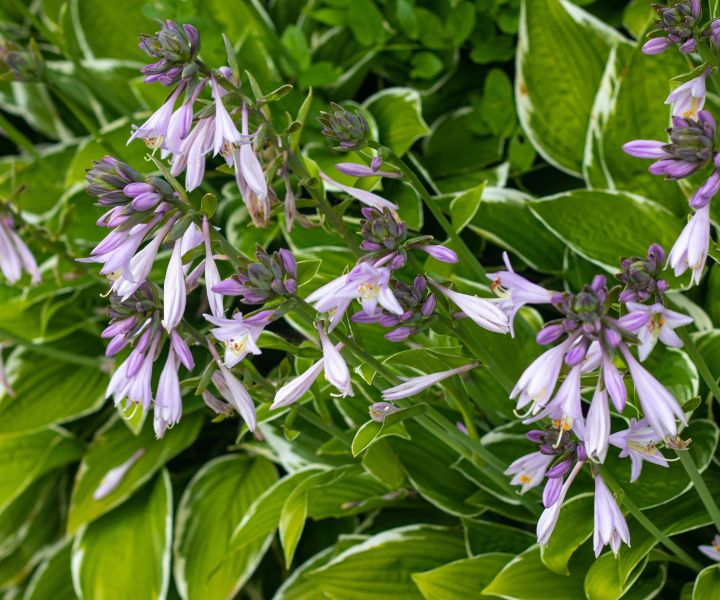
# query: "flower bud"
{"type": "Point", "coordinates": [351, 130]}
{"type": "Point", "coordinates": [380, 410]}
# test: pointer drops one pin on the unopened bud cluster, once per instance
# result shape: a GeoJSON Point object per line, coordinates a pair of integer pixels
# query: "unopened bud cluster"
{"type": "Point", "coordinates": [641, 276]}
{"type": "Point", "coordinates": [269, 276]}
{"type": "Point", "coordinates": [175, 48]}
{"type": "Point", "coordinates": [351, 130]}
{"type": "Point", "coordinates": [691, 141]}
{"type": "Point", "coordinates": [20, 64]}
{"type": "Point", "coordinates": [418, 307]}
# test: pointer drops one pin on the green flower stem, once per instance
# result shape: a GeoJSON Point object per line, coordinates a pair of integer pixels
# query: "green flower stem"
{"type": "Point", "coordinates": [649, 525]}
{"type": "Point", "coordinates": [49, 351]}
{"type": "Point", "coordinates": [466, 253]}
{"type": "Point", "coordinates": [333, 430]}
{"type": "Point", "coordinates": [17, 136]}
{"type": "Point", "coordinates": [706, 53]}
{"type": "Point", "coordinates": [297, 166]}
{"type": "Point", "coordinates": [702, 367]}
{"type": "Point", "coordinates": [699, 483]}
{"type": "Point", "coordinates": [434, 421]}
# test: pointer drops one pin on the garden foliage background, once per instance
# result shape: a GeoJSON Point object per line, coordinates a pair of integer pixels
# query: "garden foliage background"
{"type": "Point", "coordinates": [518, 136]}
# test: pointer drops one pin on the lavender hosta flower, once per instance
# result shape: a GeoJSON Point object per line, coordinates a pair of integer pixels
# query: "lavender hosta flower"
{"type": "Point", "coordinates": [705, 192]}
{"type": "Point", "coordinates": [691, 248]}
{"type": "Point", "coordinates": [113, 478]}
{"type": "Point", "coordinates": [212, 275]}
{"type": "Point", "coordinates": [689, 98]}
{"type": "Point", "coordinates": [566, 406]}
{"type": "Point", "coordinates": [483, 312]}
{"type": "Point", "coordinates": [638, 442]}
{"type": "Point", "coordinates": [658, 404]}
{"type": "Point", "coordinates": [712, 551]}
{"type": "Point", "coordinates": [641, 276]}
{"type": "Point", "coordinates": [175, 294]}
{"type": "Point", "coordinates": [537, 383]}
{"type": "Point", "coordinates": [155, 129]}
{"type": "Point", "coordinates": [555, 477]}
{"type": "Point", "coordinates": [365, 197]}
{"type": "Point", "coordinates": [548, 519]}
{"type": "Point", "coordinates": [247, 163]}
{"type": "Point", "coordinates": [168, 400]}
{"type": "Point", "coordinates": [336, 370]}
{"type": "Point", "coordinates": [380, 410]}
{"type": "Point", "coordinates": [610, 525]}
{"type": "Point", "coordinates": [419, 384]}
{"type": "Point", "coordinates": [239, 334]}
{"type": "Point", "coordinates": [182, 350]}
{"type": "Point", "coordinates": [326, 301]}
{"type": "Point", "coordinates": [660, 325]}
{"type": "Point", "coordinates": [192, 152]}
{"type": "Point", "coordinates": [516, 291]}
{"type": "Point", "coordinates": [597, 427]}
{"type": "Point", "coordinates": [135, 383]}
{"type": "Point", "coordinates": [357, 170]}
{"type": "Point", "coordinates": [440, 253]}
{"type": "Point", "coordinates": [218, 406]}
{"type": "Point", "coordinates": [529, 470]}
{"type": "Point", "coordinates": [656, 45]}
{"type": "Point", "coordinates": [15, 256]}
{"type": "Point", "coordinates": [236, 395]}
{"type": "Point", "coordinates": [226, 138]}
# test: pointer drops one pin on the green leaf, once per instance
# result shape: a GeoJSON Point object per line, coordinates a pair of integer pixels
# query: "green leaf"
{"type": "Point", "coordinates": [111, 447]}
{"type": "Point", "coordinates": [216, 498]}
{"type": "Point", "coordinates": [426, 65]}
{"type": "Point", "coordinates": [295, 510]}
{"type": "Point", "coordinates": [575, 526]}
{"type": "Point", "coordinates": [307, 269]}
{"type": "Point", "coordinates": [483, 537]}
{"type": "Point", "coordinates": [602, 226]}
{"type": "Point", "coordinates": [602, 582]}
{"type": "Point", "coordinates": [49, 391]}
{"type": "Point", "coordinates": [526, 578]}
{"type": "Point", "coordinates": [366, 22]}
{"type": "Point", "coordinates": [636, 16]}
{"type": "Point", "coordinates": [370, 431]}
{"type": "Point", "coordinates": [398, 117]}
{"type": "Point", "coordinates": [52, 578]}
{"type": "Point", "coordinates": [554, 102]}
{"type": "Point", "coordinates": [620, 115]}
{"type": "Point", "coordinates": [28, 457]}
{"type": "Point", "coordinates": [263, 516]}
{"type": "Point", "coordinates": [382, 463]}
{"type": "Point", "coordinates": [422, 548]}
{"type": "Point", "coordinates": [464, 207]}
{"type": "Point", "coordinates": [464, 578]}
{"type": "Point", "coordinates": [707, 584]}
{"type": "Point", "coordinates": [498, 106]}
{"type": "Point", "coordinates": [460, 23]}
{"type": "Point", "coordinates": [102, 564]}
{"type": "Point", "coordinates": [407, 19]}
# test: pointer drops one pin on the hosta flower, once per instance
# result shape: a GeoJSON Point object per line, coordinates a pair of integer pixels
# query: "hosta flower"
{"type": "Point", "coordinates": [357, 170]}
{"type": "Point", "coordinates": [174, 290]}
{"type": "Point", "coordinates": [365, 197]}
{"type": "Point", "coordinates": [419, 384]}
{"type": "Point", "coordinates": [212, 275]}
{"type": "Point", "coordinates": [529, 470]}
{"type": "Point", "coordinates": [226, 137]}
{"type": "Point", "coordinates": [336, 370]}
{"type": "Point", "coordinates": [548, 519]}
{"type": "Point", "coordinates": [247, 163]}
{"type": "Point", "coordinates": [113, 478]}
{"type": "Point", "coordinates": [239, 334]}
{"type": "Point", "coordinates": [168, 400]}
{"type": "Point", "coordinates": [597, 427]}
{"type": "Point", "coordinates": [689, 98]}
{"type": "Point", "coordinates": [483, 312]}
{"type": "Point", "coordinates": [712, 551]}
{"type": "Point", "coordinates": [660, 325]}
{"type": "Point", "coordinates": [380, 410]}
{"type": "Point", "coordinates": [155, 129]}
{"type": "Point", "coordinates": [638, 442]}
{"type": "Point", "coordinates": [691, 248]}
{"type": "Point", "coordinates": [132, 381]}
{"type": "Point", "coordinates": [610, 525]}
{"type": "Point", "coordinates": [192, 152]}
{"type": "Point", "coordinates": [236, 395]}
{"type": "Point", "coordinates": [15, 256]}
{"type": "Point", "coordinates": [658, 404]}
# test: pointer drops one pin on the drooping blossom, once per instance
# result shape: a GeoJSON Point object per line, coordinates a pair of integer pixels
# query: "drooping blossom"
{"type": "Point", "coordinates": [548, 519]}
{"type": "Point", "coordinates": [365, 197]}
{"type": "Point", "coordinates": [419, 384]}
{"type": "Point", "coordinates": [712, 551]}
{"type": "Point", "coordinates": [212, 275]}
{"type": "Point", "coordinates": [597, 427]}
{"type": "Point", "coordinates": [358, 170]}
{"type": "Point", "coordinates": [336, 369]}
{"type": "Point", "coordinates": [483, 312]}
{"type": "Point", "coordinates": [168, 400]}
{"type": "Point", "coordinates": [689, 98]}
{"type": "Point", "coordinates": [15, 256]}
{"type": "Point", "coordinates": [113, 478]}
{"type": "Point", "coordinates": [691, 248]}
{"type": "Point", "coordinates": [155, 130]}
{"type": "Point", "coordinates": [239, 334]}
{"type": "Point", "coordinates": [610, 525]}
{"type": "Point", "coordinates": [638, 442]}
{"type": "Point", "coordinates": [174, 290]}
{"type": "Point", "coordinates": [529, 470]}
{"type": "Point", "coordinates": [226, 137]}
{"type": "Point", "coordinates": [235, 394]}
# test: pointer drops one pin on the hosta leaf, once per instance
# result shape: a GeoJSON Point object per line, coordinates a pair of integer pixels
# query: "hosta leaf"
{"type": "Point", "coordinates": [111, 447]}
{"type": "Point", "coordinates": [483, 537]}
{"type": "Point", "coordinates": [707, 584]}
{"type": "Point", "coordinates": [102, 556]}
{"type": "Point", "coordinates": [53, 578]}
{"type": "Point", "coordinates": [554, 102]}
{"type": "Point", "coordinates": [572, 529]}
{"type": "Point", "coordinates": [371, 570]}
{"type": "Point", "coordinates": [398, 117]}
{"type": "Point", "coordinates": [216, 498]}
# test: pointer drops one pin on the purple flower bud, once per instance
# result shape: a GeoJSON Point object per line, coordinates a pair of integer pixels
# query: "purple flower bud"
{"type": "Point", "coordinates": [376, 163]}
{"type": "Point", "coordinates": [229, 287]}
{"type": "Point", "coordinates": [182, 350]}
{"type": "Point", "coordinates": [356, 170]}
{"type": "Point", "coordinates": [612, 337]}
{"type": "Point", "coordinates": [291, 286]}
{"type": "Point", "coordinates": [535, 435]}
{"type": "Point", "coordinates": [549, 334]}
{"type": "Point", "coordinates": [561, 469]}
{"type": "Point", "coordinates": [399, 335]}
{"type": "Point", "coordinates": [662, 286]}
{"type": "Point", "coordinates": [288, 262]}
{"type": "Point", "coordinates": [146, 201]}
{"type": "Point", "coordinates": [688, 47]}
{"type": "Point", "coordinates": [656, 45]}
{"type": "Point", "coordinates": [133, 190]}
{"type": "Point", "coordinates": [371, 246]}
{"type": "Point", "coordinates": [420, 283]}
{"type": "Point", "coordinates": [430, 305]}
{"type": "Point", "coordinates": [551, 493]}
{"type": "Point", "coordinates": [581, 453]}
{"type": "Point", "coordinates": [398, 262]}
{"type": "Point", "coordinates": [115, 345]}
{"type": "Point", "coordinates": [440, 253]}
{"type": "Point", "coordinates": [389, 320]}
{"type": "Point", "coordinates": [577, 353]}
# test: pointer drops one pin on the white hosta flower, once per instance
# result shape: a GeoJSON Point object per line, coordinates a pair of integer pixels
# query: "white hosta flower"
{"type": "Point", "coordinates": [418, 384]}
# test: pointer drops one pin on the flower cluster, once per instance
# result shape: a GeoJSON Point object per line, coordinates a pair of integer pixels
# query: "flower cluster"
{"type": "Point", "coordinates": [675, 25]}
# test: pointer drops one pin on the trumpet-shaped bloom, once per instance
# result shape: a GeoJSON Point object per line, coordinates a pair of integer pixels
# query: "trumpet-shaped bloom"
{"type": "Point", "coordinates": [691, 248]}
{"type": "Point", "coordinates": [418, 384]}
{"type": "Point", "coordinates": [239, 334]}
{"type": "Point", "coordinates": [175, 293]}
{"type": "Point", "coordinates": [155, 129]}
{"type": "Point", "coordinates": [15, 256]}
{"type": "Point", "coordinates": [357, 170]}
{"type": "Point", "coordinates": [597, 427]}
{"type": "Point", "coordinates": [336, 370]}
{"type": "Point", "coordinates": [212, 275]}
{"type": "Point", "coordinates": [380, 410]}
{"type": "Point", "coordinates": [529, 470]}
{"type": "Point", "coordinates": [610, 525]}
{"type": "Point", "coordinates": [712, 551]}
{"type": "Point", "coordinates": [235, 393]}
{"type": "Point", "coordinates": [689, 98]}
{"type": "Point", "coordinates": [365, 197]}
{"type": "Point", "coordinates": [168, 400]}
{"type": "Point", "coordinates": [659, 405]}
{"type": "Point", "coordinates": [549, 518]}
{"type": "Point", "coordinates": [660, 325]}
{"type": "Point", "coordinates": [638, 442]}
{"type": "Point", "coordinates": [226, 137]}
{"type": "Point", "coordinates": [483, 312]}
